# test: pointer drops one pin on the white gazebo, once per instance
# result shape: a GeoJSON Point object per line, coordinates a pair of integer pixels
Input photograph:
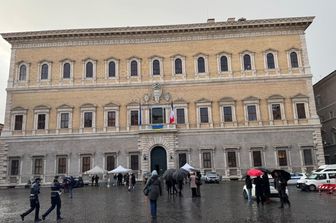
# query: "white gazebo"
{"type": "Point", "coordinates": [120, 169]}
{"type": "Point", "coordinates": [188, 167]}
{"type": "Point", "coordinates": [96, 170]}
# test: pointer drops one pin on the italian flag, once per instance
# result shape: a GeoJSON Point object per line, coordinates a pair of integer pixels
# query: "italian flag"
{"type": "Point", "coordinates": [171, 117]}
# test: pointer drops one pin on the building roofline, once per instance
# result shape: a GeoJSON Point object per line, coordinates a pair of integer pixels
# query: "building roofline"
{"type": "Point", "coordinates": [298, 22]}
{"type": "Point", "coordinates": [325, 79]}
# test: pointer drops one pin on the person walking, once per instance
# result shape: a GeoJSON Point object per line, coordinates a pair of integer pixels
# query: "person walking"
{"type": "Point", "coordinates": [133, 181]}
{"type": "Point", "coordinates": [96, 180]}
{"type": "Point", "coordinates": [259, 190]}
{"type": "Point", "coordinates": [280, 185]}
{"type": "Point", "coordinates": [92, 180]}
{"type": "Point", "coordinates": [153, 185]}
{"type": "Point", "coordinates": [193, 186]}
{"type": "Point", "coordinates": [266, 186]}
{"type": "Point", "coordinates": [34, 200]}
{"type": "Point", "coordinates": [198, 183]}
{"type": "Point", "coordinates": [248, 183]}
{"type": "Point", "coordinates": [55, 199]}
{"type": "Point", "coordinates": [120, 177]}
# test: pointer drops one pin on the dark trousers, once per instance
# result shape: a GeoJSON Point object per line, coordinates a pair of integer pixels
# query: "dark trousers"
{"type": "Point", "coordinates": [193, 192]}
{"type": "Point", "coordinates": [260, 198]}
{"type": "Point", "coordinates": [55, 201]}
{"type": "Point", "coordinates": [34, 204]}
{"type": "Point", "coordinates": [283, 197]}
{"type": "Point", "coordinates": [153, 208]}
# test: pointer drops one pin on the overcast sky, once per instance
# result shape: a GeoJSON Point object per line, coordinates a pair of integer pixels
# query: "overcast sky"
{"type": "Point", "coordinates": [33, 15]}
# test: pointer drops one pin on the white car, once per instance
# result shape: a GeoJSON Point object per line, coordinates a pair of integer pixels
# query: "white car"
{"type": "Point", "coordinates": [295, 177]}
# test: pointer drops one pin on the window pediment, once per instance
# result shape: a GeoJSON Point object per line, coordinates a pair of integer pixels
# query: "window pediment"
{"type": "Point", "coordinates": [275, 96]}
{"type": "Point", "coordinates": [293, 49]}
{"type": "Point", "coordinates": [223, 53]}
{"type": "Point", "coordinates": [247, 52]}
{"type": "Point", "coordinates": [45, 61]}
{"type": "Point", "coordinates": [111, 104]}
{"type": "Point", "coordinates": [112, 58]}
{"type": "Point", "coordinates": [134, 58]}
{"type": "Point", "coordinates": [299, 96]}
{"type": "Point", "coordinates": [200, 55]}
{"type": "Point", "coordinates": [251, 98]}
{"type": "Point", "coordinates": [270, 50]}
{"type": "Point", "coordinates": [180, 101]}
{"type": "Point", "coordinates": [19, 108]}
{"type": "Point", "coordinates": [155, 57]}
{"type": "Point", "coordinates": [64, 106]}
{"type": "Point", "coordinates": [67, 60]}
{"type": "Point", "coordinates": [41, 107]}
{"type": "Point", "coordinates": [133, 103]}
{"type": "Point", "coordinates": [88, 105]}
{"type": "Point", "coordinates": [226, 99]}
{"type": "Point", "coordinates": [203, 100]}
{"type": "Point", "coordinates": [177, 56]}
{"type": "Point", "coordinates": [89, 59]}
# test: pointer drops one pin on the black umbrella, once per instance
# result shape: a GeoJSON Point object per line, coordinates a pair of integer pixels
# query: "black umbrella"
{"type": "Point", "coordinates": [282, 173]}
{"type": "Point", "coordinates": [263, 169]}
{"type": "Point", "coordinates": [180, 174]}
{"type": "Point", "coordinates": [168, 174]}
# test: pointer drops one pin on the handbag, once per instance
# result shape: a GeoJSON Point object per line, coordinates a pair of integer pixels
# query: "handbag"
{"type": "Point", "coordinates": [146, 190]}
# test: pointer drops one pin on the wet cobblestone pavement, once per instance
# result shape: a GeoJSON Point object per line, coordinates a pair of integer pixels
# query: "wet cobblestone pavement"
{"type": "Point", "coordinates": [219, 203]}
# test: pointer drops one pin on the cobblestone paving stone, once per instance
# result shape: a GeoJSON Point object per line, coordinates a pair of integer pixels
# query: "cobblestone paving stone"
{"type": "Point", "coordinates": [219, 203]}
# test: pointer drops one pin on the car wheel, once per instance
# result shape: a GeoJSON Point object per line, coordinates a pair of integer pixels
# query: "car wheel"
{"type": "Point", "coordinates": [245, 194]}
{"type": "Point", "coordinates": [312, 187]}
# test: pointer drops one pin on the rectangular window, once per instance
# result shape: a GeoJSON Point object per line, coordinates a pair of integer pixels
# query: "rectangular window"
{"type": "Point", "coordinates": [157, 115]}
{"type": "Point", "coordinates": [87, 119]}
{"type": "Point", "coordinates": [110, 165]}
{"type": "Point", "coordinates": [227, 113]}
{"type": "Point", "coordinates": [252, 112]}
{"type": "Point", "coordinates": [86, 163]}
{"type": "Point", "coordinates": [134, 118]}
{"type": "Point", "coordinates": [282, 157]}
{"type": "Point", "coordinates": [276, 111]}
{"type": "Point", "coordinates": [14, 167]}
{"type": "Point", "coordinates": [111, 119]}
{"type": "Point", "coordinates": [300, 107]}
{"type": "Point", "coordinates": [62, 161]}
{"type": "Point", "coordinates": [182, 159]}
{"type": "Point", "coordinates": [134, 162]}
{"type": "Point", "coordinates": [64, 120]}
{"type": "Point", "coordinates": [207, 160]}
{"type": "Point", "coordinates": [41, 118]}
{"type": "Point", "coordinates": [18, 122]}
{"type": "Point", "coordinates": [232, 161]}
{"type": "Point", "coordinates": [38, 166]}
{"type": "Point", "coordinates": [180, 116]}
{"type": "Point", "coordinates": [257, 161]}
{"type": "Point", "coordinates": [204, 115]}
{"type": "Point", "coordinates": [308, 158]}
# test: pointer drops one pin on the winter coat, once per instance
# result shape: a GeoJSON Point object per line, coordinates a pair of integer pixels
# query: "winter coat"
{"type": "Point", "coordinates": [155, 187]}
{"type": "Point", "coordinates": [192, 181]}
{"type": "Point", "coordinates": [248, 182]}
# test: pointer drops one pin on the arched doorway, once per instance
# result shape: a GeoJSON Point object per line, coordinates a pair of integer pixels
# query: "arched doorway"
{"type": "Point", "coordinates": [158, 159]}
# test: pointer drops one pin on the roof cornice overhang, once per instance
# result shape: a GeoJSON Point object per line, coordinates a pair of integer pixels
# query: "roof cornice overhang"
{"type": "Point", "coordinates": [298, 23]}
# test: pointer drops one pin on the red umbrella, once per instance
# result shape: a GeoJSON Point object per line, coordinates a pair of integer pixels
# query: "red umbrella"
{"type": "Point", "coordinates": [254, 172]}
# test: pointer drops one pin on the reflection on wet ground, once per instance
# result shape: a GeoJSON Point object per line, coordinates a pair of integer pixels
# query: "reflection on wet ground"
{"type": "Point", "coordinates": [219, 203]}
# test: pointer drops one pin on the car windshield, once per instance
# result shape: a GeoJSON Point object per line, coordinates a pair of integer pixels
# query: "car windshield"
{"type": "Point", "coordinates": [318, 170]}
{"type": "Point", "coordinates": [313, 176]}
{"type": "Point", "coordinates": [211, 174]}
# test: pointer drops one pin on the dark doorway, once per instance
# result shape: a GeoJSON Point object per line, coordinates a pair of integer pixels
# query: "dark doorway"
{"type": "Point", "coordinates": [159, 160]}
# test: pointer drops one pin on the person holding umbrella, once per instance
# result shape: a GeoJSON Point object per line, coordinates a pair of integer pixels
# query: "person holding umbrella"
{"type": "Point", "coordinates": [280, 181]}
{"type": "Point", "coordinates": [248, 183]}
{"type": "Point", "coordinates": [259, 188]}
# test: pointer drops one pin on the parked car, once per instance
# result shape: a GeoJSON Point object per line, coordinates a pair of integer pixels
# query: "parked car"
{"type": "Point", "coordinates": [326, 168]}
{"type": "Point", "coordinates": [317, 179]}
{"type": "Point", "coordinates": [211, 177]}
{"type": "Point", "coordinates": [295, 177]}
{"type": "Point", "coordinates": [301, 182]}
{"type": "Point", "coordinates": [274, 192]}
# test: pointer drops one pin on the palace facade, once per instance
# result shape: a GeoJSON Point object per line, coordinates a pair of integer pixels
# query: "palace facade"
{"type": "Point", "coordinates": [240, 90]}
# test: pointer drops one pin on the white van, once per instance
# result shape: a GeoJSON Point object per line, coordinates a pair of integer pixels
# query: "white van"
{"type": "Point", "coordinates": [326, 168]}
{"type": "Point", "coordinates": [319, 178]}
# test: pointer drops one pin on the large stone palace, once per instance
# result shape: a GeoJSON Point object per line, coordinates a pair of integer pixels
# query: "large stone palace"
{"type": "Point", "coordinates": [221, 96]}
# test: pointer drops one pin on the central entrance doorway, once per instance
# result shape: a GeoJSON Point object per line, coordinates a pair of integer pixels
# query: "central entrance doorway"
{"type": "Point", "coordinates": [158, 159]}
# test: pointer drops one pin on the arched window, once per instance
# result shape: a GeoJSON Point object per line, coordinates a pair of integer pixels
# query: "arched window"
{"type": "Point", "coordinates": [112, 69]}
{"type": "Point", "coordinates": [134, 68]}
{"type": "Point", "coordinates": [44, 72]}
{"type": "Point", "coordinates": [270, 61]}
{"type": "Point", "coordinates": [200, 65]}
{"type": "Point", "coordinates": [224, 64]}
{"type": "Point", "coordinates": [89, 70]}
{"type": "Point", "coordinates": [247, 62]}
{"type": "Point", "coordinates": [156, 67]}
{"type": "Point", "coordinates": [294, 60]}
{"type": "Point", "coordinates": [66, 71]}
{"type": "Point", "coordinates": [178, 66]}
{"type": "Point", "coordinates": [23, 72]}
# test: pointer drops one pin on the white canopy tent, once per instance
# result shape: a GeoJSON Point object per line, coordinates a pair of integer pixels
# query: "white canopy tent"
{"type": "Point", "coordinates": [96, 170]}
{"type": "Point", "coordinates": [188, 167]}
{"type": "Point", "coordinates": [120, 169]}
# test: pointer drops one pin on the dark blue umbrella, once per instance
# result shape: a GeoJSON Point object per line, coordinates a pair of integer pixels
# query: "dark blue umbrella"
{"type": "Point", "coordinates": [180, 174]}
{"type": "Point", "coordinates": [168, 174]}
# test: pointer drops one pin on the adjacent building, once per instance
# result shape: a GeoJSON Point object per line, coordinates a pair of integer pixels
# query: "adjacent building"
{"type": "Point", "coordinates": [325, 94]}
{"type": "Point", "coordinates": [222, 96]}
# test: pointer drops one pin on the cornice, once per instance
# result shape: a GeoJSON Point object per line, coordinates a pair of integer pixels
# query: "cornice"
{"type": "Point", "coordinates": [139, 34]}
{"type": "Point", "coordinates": [104, 86]}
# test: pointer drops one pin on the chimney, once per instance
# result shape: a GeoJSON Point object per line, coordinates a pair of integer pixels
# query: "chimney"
{"type": "Point", "coordinates": [232, 19]}
{"type": "Point", "coordinates": [211, 20]}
